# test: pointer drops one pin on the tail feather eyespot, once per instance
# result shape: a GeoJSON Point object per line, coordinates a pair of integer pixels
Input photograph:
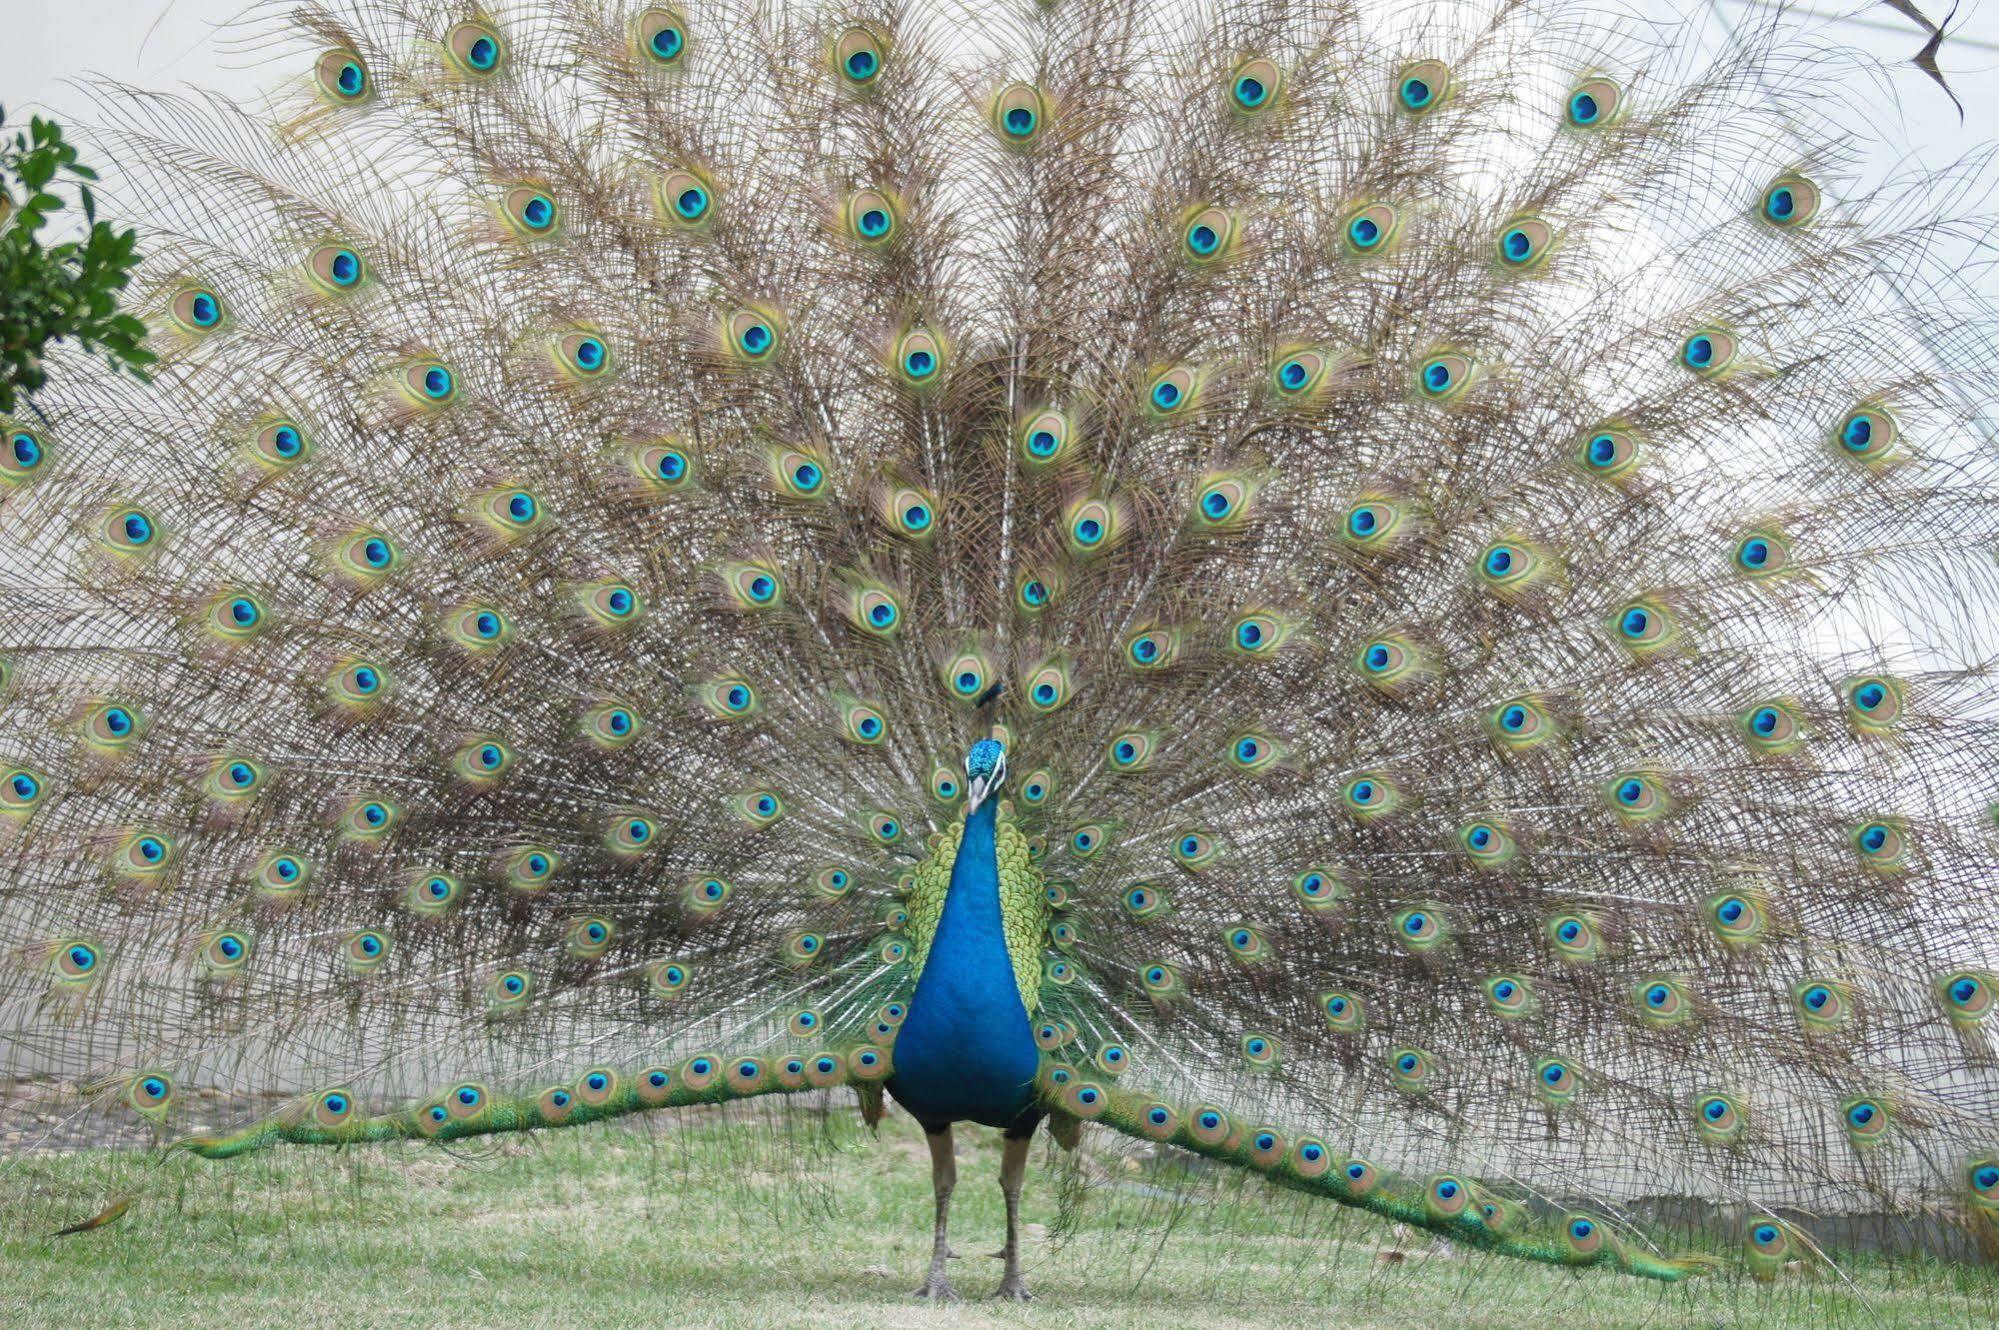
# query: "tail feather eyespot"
{"type": "Point", "coordinates": [475, 50]}
{"type": "Point", "coordinates": [342, 78]}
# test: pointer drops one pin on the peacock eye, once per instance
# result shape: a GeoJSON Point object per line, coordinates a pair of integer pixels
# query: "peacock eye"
{"type": "Point", "coordinates": [686, 197]}
{"type": "Point", "coordinates": [1524, 243]}
{"type": "Point", "coordinates": [431, 383]}
{"type": "Point", "coordinates": [661, 36]}
{"type": "Point", "coordinates": [1371, 228]}
{"type": "Point", "coordinates": [335, 268]}
{"type": "Point", "coordinates": [1594, 102]}
{"type": "Point", "coordinates": [584, 354]}
{"type": "Point", "coordinates": [1443, 377]}
{"type": "Point", "coordinates": [1018, 113]}
{"type": "Point", "coordinates": [1708, 352]}
{"type": "Point", "coordinates": [858, 56]}
{"type": "Point", "coordinates": [23, 455]}
{"type": "Point", "coordinates": [531, 211]}
{"type": "Point", "coordinates": [1254, 85]}
{"type": "Point", "coordinates": [1045, 436]}
{"type": "Point", "coordinates": [342, 76]}
{"type": "Point", "coordinates": [474, 48]}
{"type": "Point", "coordinates": [1790, 201]}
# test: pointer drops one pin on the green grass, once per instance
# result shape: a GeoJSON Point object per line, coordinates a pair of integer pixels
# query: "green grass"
{"type": "Point", "coordinates": [795, 1221]}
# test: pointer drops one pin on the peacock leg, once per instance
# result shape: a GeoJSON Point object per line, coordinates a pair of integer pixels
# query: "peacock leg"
{"type": "Point", "coordinates": [943, 1177]}
{"type": "Point", "coordinates": [1013, 1171]}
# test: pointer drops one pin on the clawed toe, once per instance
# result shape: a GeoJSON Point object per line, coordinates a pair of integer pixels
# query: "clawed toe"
{"type": "Point", "coordinates": [1012, 1290]}
{"type": "Point", "coordinates": [935, 1290]}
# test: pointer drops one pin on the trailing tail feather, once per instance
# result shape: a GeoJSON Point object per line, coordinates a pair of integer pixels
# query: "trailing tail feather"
{"type": "Point", "coordinates": [1450, 1206]}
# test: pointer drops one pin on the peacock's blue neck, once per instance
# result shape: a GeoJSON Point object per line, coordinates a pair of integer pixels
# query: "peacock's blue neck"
{"type": "Point", "coordinates": [966, 1051]}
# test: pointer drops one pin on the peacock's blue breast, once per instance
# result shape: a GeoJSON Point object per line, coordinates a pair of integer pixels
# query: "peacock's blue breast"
{"type": "Point", "coordinates": [966, 1052]}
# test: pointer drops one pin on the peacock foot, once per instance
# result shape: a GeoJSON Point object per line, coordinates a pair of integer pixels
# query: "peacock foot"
{"type": "Point", "coordinates": [1013, 1289]}
{"type": "Point", "coordinates": [936, 1289]}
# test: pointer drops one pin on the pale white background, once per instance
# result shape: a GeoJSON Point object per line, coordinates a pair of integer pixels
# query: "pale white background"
{"type": "Point", "coordinates": [155, 43]}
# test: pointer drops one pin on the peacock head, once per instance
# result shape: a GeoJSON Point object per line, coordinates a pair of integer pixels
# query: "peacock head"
{"type": "Point", "coordinates": [985, 769]}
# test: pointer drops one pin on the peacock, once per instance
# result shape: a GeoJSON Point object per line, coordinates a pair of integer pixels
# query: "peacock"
{"type": "Point", "coordinates": [1396, 597]}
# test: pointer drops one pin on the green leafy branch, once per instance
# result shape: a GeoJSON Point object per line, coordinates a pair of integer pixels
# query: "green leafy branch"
{"type": "Point", "coordinates": [70, 289]}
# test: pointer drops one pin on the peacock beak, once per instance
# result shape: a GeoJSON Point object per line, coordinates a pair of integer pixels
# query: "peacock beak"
{"type": "Point", "coordinates": [976, 790]}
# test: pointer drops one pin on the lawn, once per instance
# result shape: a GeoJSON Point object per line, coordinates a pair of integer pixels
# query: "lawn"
{"type": "Point", "coordinates": [773, 1220]}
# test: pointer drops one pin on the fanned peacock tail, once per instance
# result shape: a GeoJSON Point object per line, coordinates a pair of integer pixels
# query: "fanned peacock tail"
{"type": "Point", "coordinates": [1472, 531]}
